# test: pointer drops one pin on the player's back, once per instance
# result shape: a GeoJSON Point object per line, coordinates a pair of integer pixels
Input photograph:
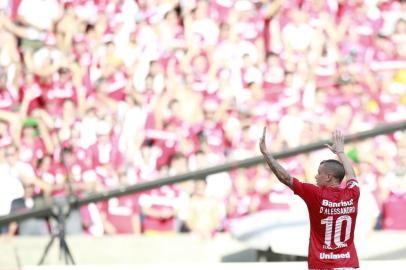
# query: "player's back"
{"type": "Point", "coordinates": [332, 213]}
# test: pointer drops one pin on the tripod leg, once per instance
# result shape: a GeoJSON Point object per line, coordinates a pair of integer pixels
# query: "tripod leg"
{"type": "Point", "coordinates": [61, 250]}
{"type": "Point", "coordinates": [46, 250]}
{"type": "Point", "coordinates": [65, 253]}
{"type": "Point", "coordinates": [68, 254]}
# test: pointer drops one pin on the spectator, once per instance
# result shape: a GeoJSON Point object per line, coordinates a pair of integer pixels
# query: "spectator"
{"type": "Point", "coordinates": [14, 174]}
{"type": "Point", "coordinates": [297, 29]}
{"type": "Point", "coordinates": [395, 205]}
{"type": "Point", "coordinates": [31, 226]}
{"type": "Point", "coordinates": [158, 210]}
{"type": "Point", "coordinates": [269, 194]}
{"type": "Point", "coordinates": [241, 202]}
{"type": "Point", "coordinates": [122, 215]}
{"type": "Point", "coordinates": [204, 212]}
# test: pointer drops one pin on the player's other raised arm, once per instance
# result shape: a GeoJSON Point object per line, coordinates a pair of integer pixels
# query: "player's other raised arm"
{"type": "Point", "coordinates": [338, 148]}
{"type": "Point", "coordinates": [275, 167]}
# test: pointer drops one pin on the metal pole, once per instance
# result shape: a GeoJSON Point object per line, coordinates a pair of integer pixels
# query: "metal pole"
{"type": "Point", "coordinates": [380, 130]}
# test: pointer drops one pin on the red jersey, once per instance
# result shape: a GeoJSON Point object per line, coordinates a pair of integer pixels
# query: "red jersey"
{"type": "Point", "coordinates": [333, 212]}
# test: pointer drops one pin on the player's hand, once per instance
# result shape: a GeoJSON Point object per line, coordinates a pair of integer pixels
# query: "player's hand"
{"type": "Point", "coordinates": [262, 143]}
{"type": "Point", "coordinates": [338, 142]}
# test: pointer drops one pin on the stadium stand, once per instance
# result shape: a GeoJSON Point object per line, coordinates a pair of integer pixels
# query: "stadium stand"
{"type": "Point", "coordinates": [98, 94]}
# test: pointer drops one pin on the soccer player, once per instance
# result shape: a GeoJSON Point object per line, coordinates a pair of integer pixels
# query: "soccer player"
{"type": "Point", "coordinates": [332, 209]}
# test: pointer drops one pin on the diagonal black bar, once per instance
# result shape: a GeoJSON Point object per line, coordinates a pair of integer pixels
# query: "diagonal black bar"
{"type": "Point", "coordinates": [379, 130]}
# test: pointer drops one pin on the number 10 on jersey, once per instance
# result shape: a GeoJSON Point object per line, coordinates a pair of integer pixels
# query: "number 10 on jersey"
{"type": "Point", "coordinates": [338, 227]}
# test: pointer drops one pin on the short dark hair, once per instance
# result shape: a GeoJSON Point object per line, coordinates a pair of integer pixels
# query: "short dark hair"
{"type": "Point", "coordinates": [335, 167]}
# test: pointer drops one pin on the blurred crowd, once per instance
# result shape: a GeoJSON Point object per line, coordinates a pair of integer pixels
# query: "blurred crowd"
{"type": "Point", "coordinates": [100, 94]}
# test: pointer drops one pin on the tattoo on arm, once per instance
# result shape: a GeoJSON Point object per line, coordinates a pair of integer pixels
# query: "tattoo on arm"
{"type": "Point", "coordinates": [278, 170]}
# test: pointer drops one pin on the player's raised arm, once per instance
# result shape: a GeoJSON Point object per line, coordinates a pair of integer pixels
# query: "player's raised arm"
{"type": "Point", "coordinates": [338, 148]}
{"type": "Point", "coordinates": [275, 167]}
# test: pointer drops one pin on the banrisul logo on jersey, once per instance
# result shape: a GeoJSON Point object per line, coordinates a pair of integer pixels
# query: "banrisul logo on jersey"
{"type": "Point", "coordinates": [337, 208]}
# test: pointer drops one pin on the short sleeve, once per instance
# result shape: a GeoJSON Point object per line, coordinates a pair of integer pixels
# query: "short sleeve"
{"type": "Point", "coordinates": [304, 190]}
{"type": "Point", "coordinates": [352, 183]}
{"type": "Point", "coordinates": [353, 186]}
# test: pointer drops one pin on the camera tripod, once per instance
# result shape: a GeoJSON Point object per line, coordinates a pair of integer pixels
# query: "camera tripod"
{"type": "Point", "coordinates": [60, 211]}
